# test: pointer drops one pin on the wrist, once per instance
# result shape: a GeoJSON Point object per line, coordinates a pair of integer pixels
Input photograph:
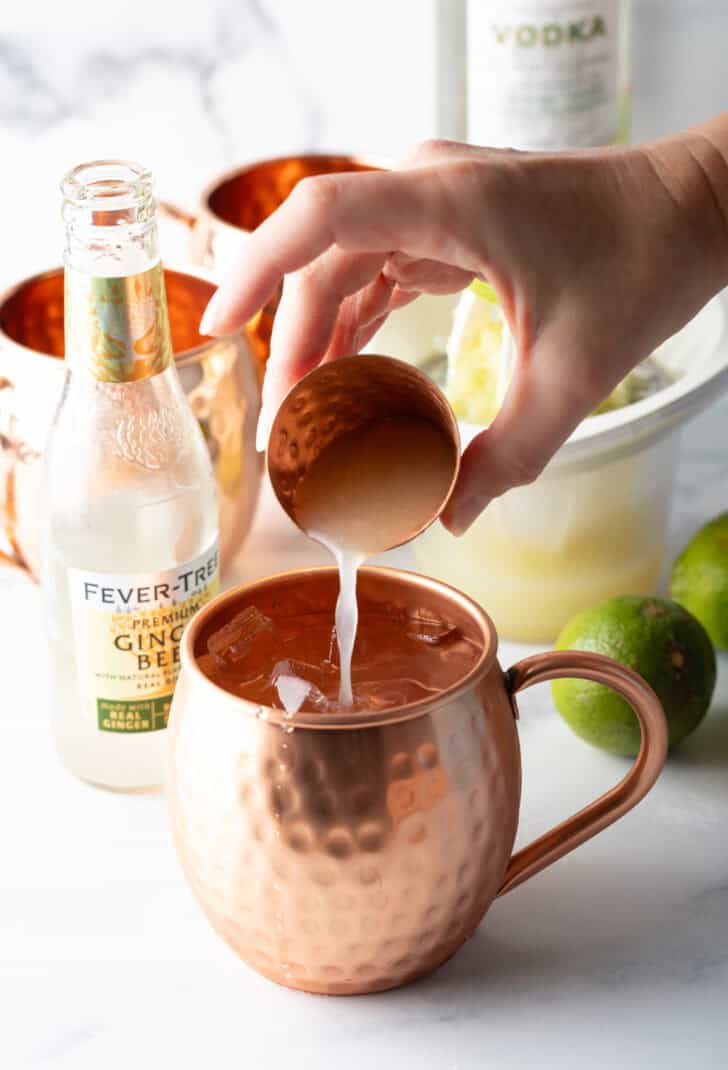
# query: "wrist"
{"type": "Point", "coordinates": [692, 170]}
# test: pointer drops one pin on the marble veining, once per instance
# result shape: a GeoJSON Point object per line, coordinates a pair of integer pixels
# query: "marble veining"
{"type": "Point", "coordinates": [615, 957]}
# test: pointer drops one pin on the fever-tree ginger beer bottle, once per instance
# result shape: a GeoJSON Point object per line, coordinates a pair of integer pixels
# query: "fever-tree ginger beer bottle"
{"type": "Point", "coordinates": [131, 523]}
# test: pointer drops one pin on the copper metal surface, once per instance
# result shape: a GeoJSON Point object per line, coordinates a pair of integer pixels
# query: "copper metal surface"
{"type": "Point", "coordinates": [241, 199]}
{"type": "Point", "coordinates": [353, 855]}
{"type": "Point", "coordinates": [220, 379]}
{"type": "Point", "coordinates": [647, 766]}
{"type": "Point", "coordinates": [344, 396]}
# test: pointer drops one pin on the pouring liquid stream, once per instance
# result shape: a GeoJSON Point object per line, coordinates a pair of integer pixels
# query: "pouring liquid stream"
{"type": "Point", "coordinates": [368, 492]}
{"type": "Point", "coordinates": [346, 619]}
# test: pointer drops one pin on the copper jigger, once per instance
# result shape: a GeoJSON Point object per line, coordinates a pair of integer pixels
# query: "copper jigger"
{"type": "Point", "coordinates": [352, 852]}
{"type": "Point", "coordinates": [351, 395]}
{"type": "Point", "coordinates": [220, 378]}
{"type": "Point", "coordinates": [239, 200]}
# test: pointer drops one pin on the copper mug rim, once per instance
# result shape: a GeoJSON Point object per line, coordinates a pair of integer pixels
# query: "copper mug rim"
{"type": "Point", "coordinates": [215, 867]}
{"type": "Point", "coordinates": [345, 369]}
{"type": "Point", "coordinates": [364, 160]}
{"type": "Point", "coordinates": [354, 720]}
{"type": "Point", "coordinates": [189, 355]}
{"type": "Point", "coordinates": [233, 203]}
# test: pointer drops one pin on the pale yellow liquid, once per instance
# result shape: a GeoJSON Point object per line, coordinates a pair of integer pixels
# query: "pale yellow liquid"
{"type": "Point", "coordinates": [108, 513]}
{"type": "Point", "coordinates": [544, 552]}
{"type": "Point", "coordinates": [371, 490]}
{"type": "Point", "coordinates": [375, 487]}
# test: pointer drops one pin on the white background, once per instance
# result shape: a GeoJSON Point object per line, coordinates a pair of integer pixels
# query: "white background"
{"type": "Point", "coordinates": [618, 956]}
{"type": "Point", "coordinates": [193, 88]}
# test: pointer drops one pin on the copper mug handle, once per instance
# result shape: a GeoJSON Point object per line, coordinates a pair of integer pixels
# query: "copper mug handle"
{"type": "Point", "coordinates": [6, 561]}
{"type": "Point", "coordinates": [15, 559]}
{"type": "Point", "coordinates": [173, 212]}
{"type": "Point", "coordinates": [624, 795]}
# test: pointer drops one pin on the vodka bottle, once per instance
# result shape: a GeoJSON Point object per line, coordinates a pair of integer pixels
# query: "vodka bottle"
{"type": "Point", "coordinates": [548, 74]}
{"type": "Point", "coordinates": [131, 524]}
{"type": "Point", "coordinates": [450, 71]}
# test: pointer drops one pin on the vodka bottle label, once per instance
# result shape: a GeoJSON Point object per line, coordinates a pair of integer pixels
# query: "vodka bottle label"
{"type": "Point", "coordinates": [544, 74]}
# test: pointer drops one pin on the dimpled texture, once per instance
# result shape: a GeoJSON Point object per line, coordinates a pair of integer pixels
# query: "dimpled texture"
{"type": "Point", "coordinates": [661, 641]}
{"type": "Point", "coordinates": [344, 861]}
{"type": "Point", "coordinates": [336, 399]}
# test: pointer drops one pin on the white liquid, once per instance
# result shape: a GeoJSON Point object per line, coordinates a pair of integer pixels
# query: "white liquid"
{"type": "Point", "coordinates": [347, 618]}
{"type": "Point", "coordinates": [347, 612]}
{"type": "Point", "coordinates": [369, 491]}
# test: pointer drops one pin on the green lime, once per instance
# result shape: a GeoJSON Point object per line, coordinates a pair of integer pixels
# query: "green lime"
{"type": "Point", "coordinates": [700, 579]}
{"type": "Point", "coordinates": [658, 639]}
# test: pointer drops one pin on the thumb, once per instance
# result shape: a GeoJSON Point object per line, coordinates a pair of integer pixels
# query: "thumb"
{"type": "Point", "coordinates": [551, 392]}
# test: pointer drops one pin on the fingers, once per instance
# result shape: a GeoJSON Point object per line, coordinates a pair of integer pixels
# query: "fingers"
{"type": "Point", "coordinates": [334, 306]}
{"type": "Point", "coordinates": [306, 319]}
{"type": "Point", "coordinates": [549, 396]}
{"type": "Point", "coordinates": [426, 276]}
{"type": "Point", "coordinates": [310, 307]}
{"type": "Point", "coordinates": [417, 212]}
{"type": "Point", "coordinates": [356, 315]}
{"type": "Point", "coordinates": [386, 293]}
{"type": "Point", "coordinates": [438, 150]}
{"type": "Point", "coordinates": [356, 329]}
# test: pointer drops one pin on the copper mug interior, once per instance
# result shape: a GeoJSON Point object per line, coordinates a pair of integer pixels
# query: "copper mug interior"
{"type": "Point", "coordinates": [220, 378]}
{"type": "Point", "coordinates": [347, 396]}
{"type": "Point", "coordinates": [349, 853]}
{"type": "Point", "coordinates": [241, 199]}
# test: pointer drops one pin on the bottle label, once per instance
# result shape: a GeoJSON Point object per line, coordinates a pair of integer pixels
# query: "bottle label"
{"type": "Point", "coordinates": [543, 74]}
{"type": "Point", "coordinates": [118, 327]}
{"type": "Point", "coordinates": [127, 630]}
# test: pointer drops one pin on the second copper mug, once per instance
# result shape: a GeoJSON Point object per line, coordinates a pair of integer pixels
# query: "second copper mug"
{"type": "Point", "coordinates": [239, 200]}
{"type": "Point", "coordinates": [220, 378]}
{"type": "Point", "coordinates": [348, 853]}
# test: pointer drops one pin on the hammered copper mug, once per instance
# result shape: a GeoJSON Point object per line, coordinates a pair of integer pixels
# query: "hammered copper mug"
{"type": "Point", "coordinates": [220, 378]}
{"type": "Point", "coordinates": [353, 852]}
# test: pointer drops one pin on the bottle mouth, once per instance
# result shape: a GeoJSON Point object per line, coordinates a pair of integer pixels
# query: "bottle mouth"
{"type": "Point", "coordinates": [108, 192]}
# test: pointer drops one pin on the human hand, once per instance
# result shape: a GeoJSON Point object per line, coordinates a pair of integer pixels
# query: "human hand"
{"type": "Point", "coordinates": [597, 256]}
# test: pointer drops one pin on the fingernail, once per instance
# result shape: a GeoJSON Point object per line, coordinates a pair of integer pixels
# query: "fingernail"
{"type": "Point", "coordinates": [465, 515]}
{"type": "Point", "coordinates": [211, 315]}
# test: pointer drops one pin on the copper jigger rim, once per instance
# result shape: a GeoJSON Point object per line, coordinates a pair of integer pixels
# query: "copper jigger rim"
{"type": "Point", "coordinates": [204, 210]}
{"type": "Point", "coordinates": [181, 359]}
{"type": "Point", "coordinates": [352, 720]}
{"type": "Point", "coordinates": [428, 385]}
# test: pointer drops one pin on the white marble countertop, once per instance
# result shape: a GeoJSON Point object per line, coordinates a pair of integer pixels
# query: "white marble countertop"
{"type": "Point", "coordinates": [617, 956]}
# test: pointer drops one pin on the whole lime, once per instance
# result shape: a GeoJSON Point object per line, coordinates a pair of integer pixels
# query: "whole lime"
{"type": "Point", "coordinates": [700, 579]}
{"type": "Point", "coordinates": [658, 639]}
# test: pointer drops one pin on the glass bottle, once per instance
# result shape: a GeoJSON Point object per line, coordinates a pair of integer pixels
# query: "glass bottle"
{"type": "Point", "coordinates": [450, 72]}
{"type": "Point", "coordinates": [131, 523]}
{"type": "Point", "coordinates": [548, 74]}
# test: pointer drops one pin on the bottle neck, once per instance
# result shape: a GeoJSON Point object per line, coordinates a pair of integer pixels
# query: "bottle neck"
{"type": "Point", "coordinates": [111, 251]}
{"type": "Point", "coordinates": [116, 321]}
